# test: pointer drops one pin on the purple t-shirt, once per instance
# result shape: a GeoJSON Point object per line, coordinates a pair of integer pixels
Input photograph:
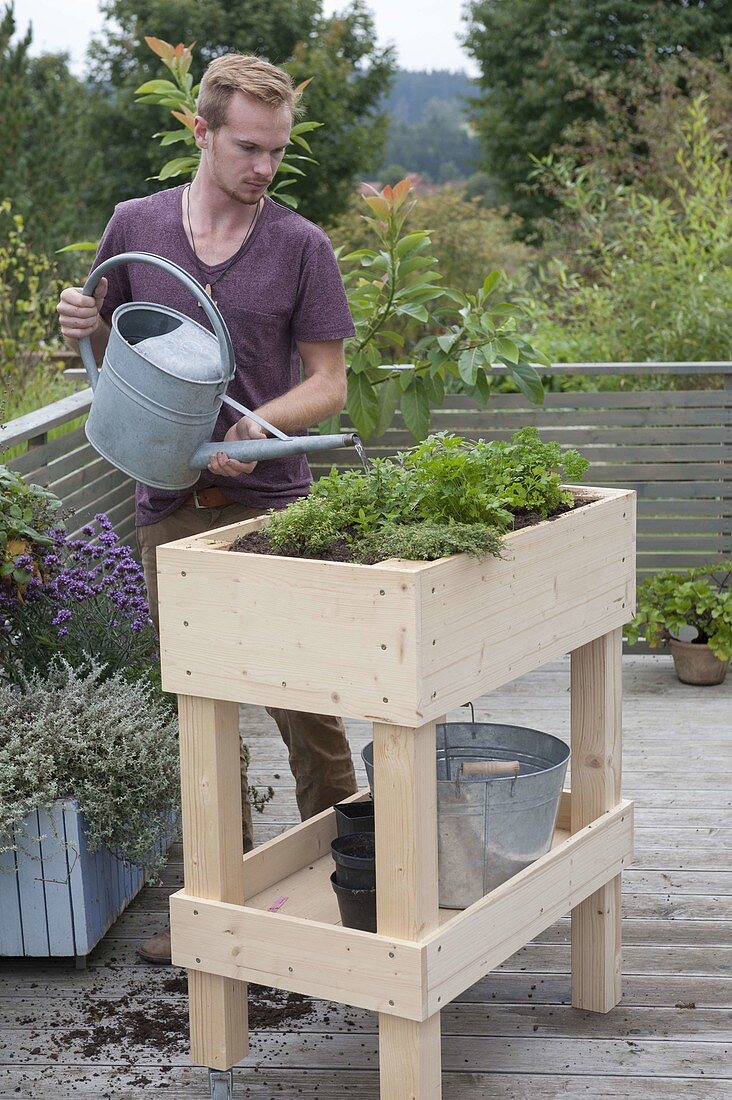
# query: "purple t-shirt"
{"type": "Point", "coordinates": [283, 286]}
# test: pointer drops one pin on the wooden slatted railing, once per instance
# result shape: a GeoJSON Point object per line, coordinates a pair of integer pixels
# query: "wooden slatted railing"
{"type": "Point", "coordinates": [672, 446]}
{"type": "Point", "coordinates": [69, 465]}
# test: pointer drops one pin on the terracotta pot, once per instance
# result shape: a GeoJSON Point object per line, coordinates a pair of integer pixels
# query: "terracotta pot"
{"type": "Point", "coordinates": [696, 664]}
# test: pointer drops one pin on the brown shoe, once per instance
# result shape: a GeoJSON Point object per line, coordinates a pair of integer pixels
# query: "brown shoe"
{"type": "Point", "coordinates": [157, 948]}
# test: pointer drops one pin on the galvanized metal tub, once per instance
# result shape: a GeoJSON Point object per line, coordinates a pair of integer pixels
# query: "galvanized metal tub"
{"type": "Point", "coordinates": [490, 828]}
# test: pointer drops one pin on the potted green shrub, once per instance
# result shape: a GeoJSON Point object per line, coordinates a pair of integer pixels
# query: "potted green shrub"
{"type": "Point", "coordinates": [28, 515]}
{"type": "Point", "coordinates": [698, 601]}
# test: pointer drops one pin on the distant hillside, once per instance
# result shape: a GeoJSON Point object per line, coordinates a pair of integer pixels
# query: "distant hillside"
{"type": "Point", "coordinates": [429, 130]}
{"type": "Point", "coordinates": [412, 92]}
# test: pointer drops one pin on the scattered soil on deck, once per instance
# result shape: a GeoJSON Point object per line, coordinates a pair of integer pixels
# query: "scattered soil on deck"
{"type": "Point", "coordinates": [258, 542]}
{"type": "Point", "coordinates": [150, 1016]}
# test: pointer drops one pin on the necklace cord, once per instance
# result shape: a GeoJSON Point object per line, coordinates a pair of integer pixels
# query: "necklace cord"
{"type": "Point", "coordinates": [209, 284]}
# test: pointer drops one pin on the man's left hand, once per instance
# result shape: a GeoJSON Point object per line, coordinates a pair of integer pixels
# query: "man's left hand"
{"type": "Point", "coordinates": [228, 467]}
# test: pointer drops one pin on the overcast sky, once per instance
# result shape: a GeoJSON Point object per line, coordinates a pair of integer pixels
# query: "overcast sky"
{"type": "Point", "coordinates": [424, 31]}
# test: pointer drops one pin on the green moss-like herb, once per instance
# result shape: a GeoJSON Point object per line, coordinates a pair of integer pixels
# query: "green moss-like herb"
{"type": "Point", "coordinates": [428, 541]}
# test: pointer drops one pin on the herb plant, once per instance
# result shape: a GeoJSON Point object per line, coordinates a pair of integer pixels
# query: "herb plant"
{"type": "Point", "coordinates": [700, 598]}
{"type": "Point", "coordinates": [445, 481]}
{"type": "Point", "coordinates": [102, 740]}
{"type": "Point", "coordinates": [429, 541]}
{"type": "Point", "coordinates": [107, 743]}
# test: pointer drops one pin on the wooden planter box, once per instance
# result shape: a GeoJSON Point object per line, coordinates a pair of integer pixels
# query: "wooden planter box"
{"type": "Point", "coordinates": [399, 643]}
{"type": "Point", "coordinates": [57, 897]}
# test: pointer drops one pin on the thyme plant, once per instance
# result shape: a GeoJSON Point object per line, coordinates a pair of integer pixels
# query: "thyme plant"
{"type": "Point", "coordinates": [107, 742]}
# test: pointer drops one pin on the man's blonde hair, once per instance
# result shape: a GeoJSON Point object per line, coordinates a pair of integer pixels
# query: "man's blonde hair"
{"type": "Point", "coordinates": [237, 72]}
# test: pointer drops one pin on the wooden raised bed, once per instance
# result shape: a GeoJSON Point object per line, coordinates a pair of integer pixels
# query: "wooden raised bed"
{"type": "Point", "coordinates": [399, 643]}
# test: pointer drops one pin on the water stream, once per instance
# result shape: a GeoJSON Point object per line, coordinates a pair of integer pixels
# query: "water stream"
{"type": "Point", "coordinates": [361, 452]}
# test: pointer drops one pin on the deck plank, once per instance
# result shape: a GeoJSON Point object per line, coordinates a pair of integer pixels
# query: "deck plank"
{"type": "Point", "coordinates": [513, 1034]}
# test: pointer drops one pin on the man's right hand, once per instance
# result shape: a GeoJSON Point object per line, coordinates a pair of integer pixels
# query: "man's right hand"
{"type": "Point", "coordinates": [78, 312]}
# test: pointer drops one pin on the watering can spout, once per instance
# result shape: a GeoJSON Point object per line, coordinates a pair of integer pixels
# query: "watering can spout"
{"type": "Point", "coordinates": [258, 450]}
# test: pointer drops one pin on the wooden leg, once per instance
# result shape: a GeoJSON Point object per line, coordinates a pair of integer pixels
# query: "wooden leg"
{"type": "Point", "coordinates": [405, 784]}
{"type": "Point", "coordinates": [410, 1064]}
{"type": "Point", "coordinates": [213, 855]}
{"type": "Point", "coordinates": [596, 680]}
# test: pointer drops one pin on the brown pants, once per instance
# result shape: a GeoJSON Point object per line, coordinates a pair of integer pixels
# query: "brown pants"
{"type": "Point", "coordinates": [320, 757]}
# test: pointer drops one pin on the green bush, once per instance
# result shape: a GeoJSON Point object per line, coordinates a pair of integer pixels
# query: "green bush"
{"type": "Point", "coordinates": [467, 239]}
{"type": "Point", "coordinates": [29, 290]}
{"type": "Point", "coordinates": [651, 274]}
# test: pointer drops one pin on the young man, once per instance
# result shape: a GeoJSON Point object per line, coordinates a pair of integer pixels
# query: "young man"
{"type": "Point", "coordinates": [276, 282]}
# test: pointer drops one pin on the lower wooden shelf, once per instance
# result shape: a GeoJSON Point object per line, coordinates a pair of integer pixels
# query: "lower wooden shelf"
{"type": "Point", "coordinates": [288, 934]}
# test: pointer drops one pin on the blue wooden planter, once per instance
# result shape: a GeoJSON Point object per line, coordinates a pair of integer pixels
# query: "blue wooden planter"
{"type": "Point", "coordinates": [57, 897]}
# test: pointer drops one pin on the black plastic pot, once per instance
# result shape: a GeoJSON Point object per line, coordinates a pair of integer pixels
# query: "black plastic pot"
{"type": "Point", "coordinates": [357, 907]}
{"type": "Point", "coordinates": [354, 817]}
{"type": "Point", "coordinates": [355, 860]}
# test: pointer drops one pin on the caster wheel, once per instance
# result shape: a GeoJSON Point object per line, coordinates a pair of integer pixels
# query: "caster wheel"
{"type": "Point", "coordinates": [221, 1084]}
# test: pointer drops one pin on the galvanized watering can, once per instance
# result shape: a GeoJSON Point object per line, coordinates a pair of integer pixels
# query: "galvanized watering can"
{"type": "Point", "coordinates": [158, 397]}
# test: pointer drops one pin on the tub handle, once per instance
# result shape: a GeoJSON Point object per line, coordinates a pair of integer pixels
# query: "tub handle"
{"type": "Point", "coordinates": [490, 767]}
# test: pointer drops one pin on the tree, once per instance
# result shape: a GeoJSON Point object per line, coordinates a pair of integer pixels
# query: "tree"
{"type": "Point", "coordinates": [42, 167]}
{"type": "Point", "coordinates": [639, 273]}
{"type": "Point", "coordinates": [350, 76]}
{"type": "Point", "coordinates": [413, 90]}
{"type": "Point", "coordinates": [537, 55]}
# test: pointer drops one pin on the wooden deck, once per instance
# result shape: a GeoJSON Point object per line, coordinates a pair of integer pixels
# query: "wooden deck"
{"type": "Point", "coordinates": [118, 1029]}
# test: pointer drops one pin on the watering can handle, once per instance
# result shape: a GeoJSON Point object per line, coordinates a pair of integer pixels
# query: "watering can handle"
{"type": "Point", "coordinates": [209, 307]}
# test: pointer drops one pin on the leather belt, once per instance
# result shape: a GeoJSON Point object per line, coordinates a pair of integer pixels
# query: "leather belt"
{"type": "Point", "coordinates": [208, 498]}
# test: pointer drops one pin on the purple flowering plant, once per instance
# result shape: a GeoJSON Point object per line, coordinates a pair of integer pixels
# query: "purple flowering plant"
{"type": "Point", "coordinates": [86, 599]}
